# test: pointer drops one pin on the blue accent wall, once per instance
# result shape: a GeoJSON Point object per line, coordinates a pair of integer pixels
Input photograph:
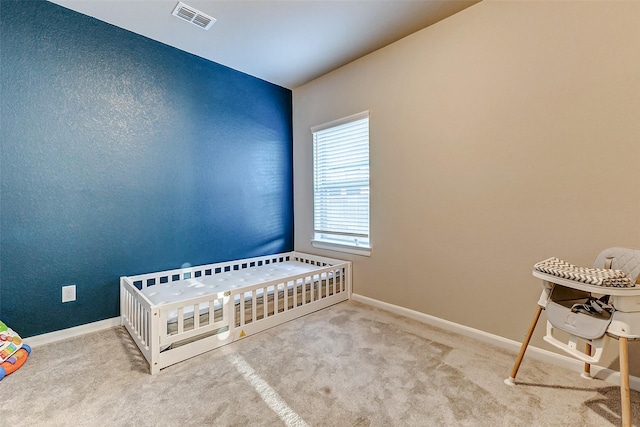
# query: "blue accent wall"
{"type": "Point", "coordinates": [121, 155]}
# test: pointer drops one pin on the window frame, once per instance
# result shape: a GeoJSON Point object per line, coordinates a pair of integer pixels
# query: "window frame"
{"type": "Point", "coordinates": [364, 250]}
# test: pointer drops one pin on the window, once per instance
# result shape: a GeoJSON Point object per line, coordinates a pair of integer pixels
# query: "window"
{"type": "Point", "coordinates": [341, 185]}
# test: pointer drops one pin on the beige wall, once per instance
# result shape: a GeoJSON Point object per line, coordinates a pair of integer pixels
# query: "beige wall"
{"type": "Point", "coordinates": [501, 136]}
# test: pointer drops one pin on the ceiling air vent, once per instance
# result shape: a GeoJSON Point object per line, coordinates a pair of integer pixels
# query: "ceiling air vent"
{"type": "Point", "coordinates": [194, 16]}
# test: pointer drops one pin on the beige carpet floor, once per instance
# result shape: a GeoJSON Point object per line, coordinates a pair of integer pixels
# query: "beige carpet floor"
{"type": "Point", "coordinates": [348, 365]}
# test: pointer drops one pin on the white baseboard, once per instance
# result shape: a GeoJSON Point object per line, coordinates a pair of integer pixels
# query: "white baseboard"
{"type": "Point", "coordinates": [51, 337]}
{"type": "Point", "coordinates": [546, 356]}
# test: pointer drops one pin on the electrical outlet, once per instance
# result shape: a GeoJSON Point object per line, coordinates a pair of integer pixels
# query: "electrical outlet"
{"type": "Point", "coordinates": [68, 293]}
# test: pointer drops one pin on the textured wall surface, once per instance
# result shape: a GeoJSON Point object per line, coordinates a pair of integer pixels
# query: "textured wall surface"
{"type": "Point", "coordinates": [120, 156]}
{"type": "Point", "coordinates": [501, 136]}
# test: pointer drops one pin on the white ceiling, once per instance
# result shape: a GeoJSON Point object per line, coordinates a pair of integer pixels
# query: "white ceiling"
{"type": "Point", "coordinates": [286, 42]}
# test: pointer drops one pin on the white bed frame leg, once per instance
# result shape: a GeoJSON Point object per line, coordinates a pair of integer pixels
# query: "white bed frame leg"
{"type": "Point", "coordinates": [154, 363]}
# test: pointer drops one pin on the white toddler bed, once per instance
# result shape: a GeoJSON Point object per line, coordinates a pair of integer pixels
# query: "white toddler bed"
{"type": "Point", "coordinates": [177, 314]}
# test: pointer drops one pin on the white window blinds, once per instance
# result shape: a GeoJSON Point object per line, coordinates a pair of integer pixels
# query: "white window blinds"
{"type": "Point", "coordinates": [341, 181]}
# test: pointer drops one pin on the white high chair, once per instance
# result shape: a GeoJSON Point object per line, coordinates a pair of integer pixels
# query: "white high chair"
{"type": "Point", "coordinates": [559, 294]}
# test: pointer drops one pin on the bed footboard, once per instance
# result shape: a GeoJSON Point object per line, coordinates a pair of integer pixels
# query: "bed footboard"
{"type": "Point", "coordinates": [140, 319]}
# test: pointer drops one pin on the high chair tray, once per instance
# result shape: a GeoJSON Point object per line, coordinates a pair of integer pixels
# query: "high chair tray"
{"type": "Point", "coordinates": [601, 290]}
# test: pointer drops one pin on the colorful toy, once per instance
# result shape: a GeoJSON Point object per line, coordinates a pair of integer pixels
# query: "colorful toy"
{"type": "Point", "coordinates": [13, 352]}
{"type": "Point", "coordinates": [14, 362]}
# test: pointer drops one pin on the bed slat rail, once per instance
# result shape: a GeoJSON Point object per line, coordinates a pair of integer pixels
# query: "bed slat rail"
{"type": "Point", "coordinates": [291, 293]}
{"type": "Point", "coordinates": [150, 279]}
{"type": "Point", "coordinates": [194, 320]}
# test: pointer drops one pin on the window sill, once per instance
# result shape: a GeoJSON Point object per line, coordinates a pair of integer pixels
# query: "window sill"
{"type": "Point", "coordinates": [357, 250]}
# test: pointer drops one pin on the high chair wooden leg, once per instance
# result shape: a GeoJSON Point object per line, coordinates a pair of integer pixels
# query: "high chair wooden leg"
{"type": "Point", "coordinates": [523, 348]}
{"type": "Point", "coordinates": [625, 393]}
{"type": "Point", "coordinates": [587, 367]}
